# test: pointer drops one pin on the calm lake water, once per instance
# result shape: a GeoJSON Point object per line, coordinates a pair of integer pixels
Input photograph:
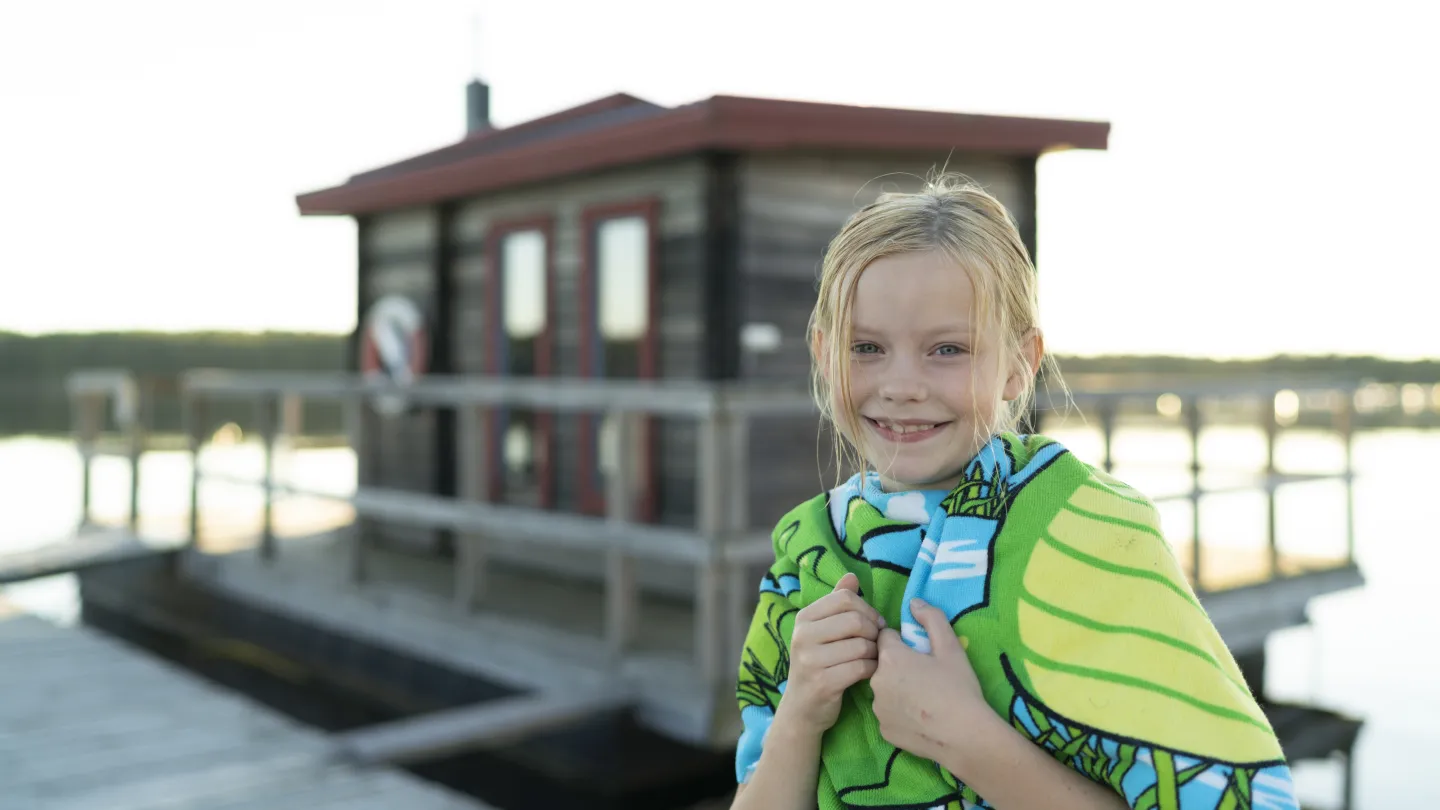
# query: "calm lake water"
{"type": "Point", "coordinates": [1371, 652]}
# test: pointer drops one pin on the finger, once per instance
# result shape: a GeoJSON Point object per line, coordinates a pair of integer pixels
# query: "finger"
{"type": "Point", "coordinates": [849, 582]}
{"type": "Point", "coordinates": [851, 672]}
{"type": "Point", "coordinates": [839, 652]}
{"type": "Point", "coordinates": [839, 601]}
{"type": "Point", "coordinates": [850, 624]}
{"type": "Point", "coordinates": [888, 644]}
{"type": "Point", "coordinates": [943, 641]}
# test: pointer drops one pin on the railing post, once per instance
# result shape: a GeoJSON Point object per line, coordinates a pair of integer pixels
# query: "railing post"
{"type": "Point", "coordinates": [1192, 423]}
{"type": "Point", "coordinates": [1272, 430]}
{"type": "Point", "coordinates": [292, 421]}
{"type": "Point", "coordinates": [266, 407]}
{"type": "Point", "coordinates": [622, 598]}
{"type": "Point", "coordinates": [711, 498]}
{"type": "Point", "coordinates": [138, 414]}
{"type": "Point", "coordinates": [740, 591]}
{"type": "Point", "coordinates": [472, 556]}
{"type": "Point", "coordinates": [192, 417]}
{"type": "Point", "coordinates": [1345, 424]}
{"type": "Point", "coordinates": [86, 414]}
{"type": "Point", "coordinates": [1107, 433]}
{"type": "Point", "coordinates": [355, 414]}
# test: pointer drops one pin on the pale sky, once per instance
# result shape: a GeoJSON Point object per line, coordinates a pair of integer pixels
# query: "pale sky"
{"type": "Point", "coordinates": [1271, 184]}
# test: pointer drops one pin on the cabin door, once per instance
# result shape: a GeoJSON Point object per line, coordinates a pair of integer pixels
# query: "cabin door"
{"type": "Point", "coordinates": [619, 269]}
{"type": "Point", "coordinates": [521, 440]}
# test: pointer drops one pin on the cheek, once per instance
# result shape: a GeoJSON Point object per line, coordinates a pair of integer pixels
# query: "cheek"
{"type": "Point", "coordinates": [958, 390]}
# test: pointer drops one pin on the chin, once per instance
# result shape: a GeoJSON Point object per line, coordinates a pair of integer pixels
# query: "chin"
{"type": "Point", "coordinates": [908, 479]}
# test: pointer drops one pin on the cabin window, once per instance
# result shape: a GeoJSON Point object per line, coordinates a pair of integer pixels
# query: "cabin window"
{"type": "Point", "coordinates": [522, 290]}
{"type": "Point", "coordinates": [623, 266]}
{"type": "Point", "coordinates": [622, 248]}
{"type": "Point", "coordinates": [520, 438]}
{"type": "Point", "coordinates": [619, 269]}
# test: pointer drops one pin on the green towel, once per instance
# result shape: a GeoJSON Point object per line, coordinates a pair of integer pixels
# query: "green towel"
{"type": "Point", "coordinates": [1076, 617]}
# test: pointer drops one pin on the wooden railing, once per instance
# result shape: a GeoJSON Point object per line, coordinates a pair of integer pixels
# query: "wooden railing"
{"type": "Point", "coordinates": [720, 547]}
{"type": "Point", "coordinates": [90, 392]}
{"type": "Point", "coordinates": [1187, 402]}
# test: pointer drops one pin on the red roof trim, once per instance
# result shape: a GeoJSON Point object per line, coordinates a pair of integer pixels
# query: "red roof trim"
{"type": "Point", "coordinates": [722, 122]}
{"type": "Point", "coordinates": [606, 104]}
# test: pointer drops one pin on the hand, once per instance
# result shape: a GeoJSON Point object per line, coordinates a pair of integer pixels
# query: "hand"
{"type": "Point", "coordinates": [926, 702]}
{"type": "Point", "coordinates": [831, 648]}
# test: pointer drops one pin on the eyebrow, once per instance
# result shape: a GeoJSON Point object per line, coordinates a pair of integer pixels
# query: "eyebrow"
{"type": "Point", "coordinates": [961, 327]}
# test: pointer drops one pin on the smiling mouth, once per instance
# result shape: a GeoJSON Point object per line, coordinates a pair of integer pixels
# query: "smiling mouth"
{"type": "Point", "coordinates": [905, 432]}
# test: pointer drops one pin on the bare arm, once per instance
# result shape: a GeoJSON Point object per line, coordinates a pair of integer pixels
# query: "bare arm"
{"type": "Point", "coordinates": [1013, 773]}
{"type": "Point", "coordinates": [789, 766]}
{"type": "Point", "coordinates": [832, 647]}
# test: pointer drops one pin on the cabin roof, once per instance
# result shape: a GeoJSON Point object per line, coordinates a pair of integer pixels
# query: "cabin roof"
{"type": "Point", "coordinates": [622, 129]}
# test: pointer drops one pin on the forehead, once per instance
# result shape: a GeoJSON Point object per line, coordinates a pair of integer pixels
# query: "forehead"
{"type": "Point", "coordinates": [916, 291]}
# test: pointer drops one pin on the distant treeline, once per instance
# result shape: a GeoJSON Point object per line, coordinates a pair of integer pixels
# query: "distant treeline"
{"type": "Point", "coordinates": [33, 369]}
{"type": "Point", "coordinates": [1357, 368]}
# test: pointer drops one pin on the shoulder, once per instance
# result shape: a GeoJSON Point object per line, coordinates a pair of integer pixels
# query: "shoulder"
{"type": "Point", "coordinates": [1030, 454]}
{"type": "Point", "coordinates": [1110, 524]}
{"type": "Point", "coordinates": [1098, 514]}
{"type": "Point", "coordinates": [1115, 499]}
{"type": "Point", "coordinates": [805, 512]}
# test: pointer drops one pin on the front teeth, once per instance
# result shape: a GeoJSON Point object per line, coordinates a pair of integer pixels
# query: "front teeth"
{"type": "Point", "coordinates": [906, 428]}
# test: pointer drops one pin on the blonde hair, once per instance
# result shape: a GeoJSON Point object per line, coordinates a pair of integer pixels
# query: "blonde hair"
{"type": "Point", "coordinates": [955, 217]}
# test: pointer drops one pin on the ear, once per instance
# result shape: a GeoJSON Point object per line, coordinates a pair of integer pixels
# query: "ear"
{"type": "Point", "coordinates": [1032, 350]}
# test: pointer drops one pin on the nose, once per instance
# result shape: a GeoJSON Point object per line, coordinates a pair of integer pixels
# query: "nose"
{"type": "Point", "coordinates": [903, 383]}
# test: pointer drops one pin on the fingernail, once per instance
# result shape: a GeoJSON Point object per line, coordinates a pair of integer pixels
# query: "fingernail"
{"type": "Point", "coordinates": [882, 621]}
{"type": "Point", "coordinates": [917, 604]}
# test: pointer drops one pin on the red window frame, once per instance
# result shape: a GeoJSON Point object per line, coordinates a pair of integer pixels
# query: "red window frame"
{"type": "Point", "coordinates": [544, 351]}
{"type": "Point", "coordinates": [592, 498]}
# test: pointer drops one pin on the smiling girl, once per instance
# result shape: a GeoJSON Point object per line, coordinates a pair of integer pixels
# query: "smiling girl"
{"type": "Point", "coordinates": [976, 618]}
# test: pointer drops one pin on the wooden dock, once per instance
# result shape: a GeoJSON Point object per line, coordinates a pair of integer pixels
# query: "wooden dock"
{"type": "Point", "coordinates": [531, 632]}
{"type": "Point", "coordinates": [88, 723]}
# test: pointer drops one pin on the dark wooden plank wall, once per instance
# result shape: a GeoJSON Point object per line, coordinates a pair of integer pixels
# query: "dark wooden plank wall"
{"type": "Point", "coordinates": [398, 251]}
{"type": "Point", "coordinates": [791, 205]}
{"type": "Point", "coordinates": [678, 187]}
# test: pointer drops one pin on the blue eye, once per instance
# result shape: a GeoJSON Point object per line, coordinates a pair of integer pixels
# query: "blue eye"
{"type": "Point", "coordinates": [951, 350]}
{"type": "Point", "coordinates": [864, 348]}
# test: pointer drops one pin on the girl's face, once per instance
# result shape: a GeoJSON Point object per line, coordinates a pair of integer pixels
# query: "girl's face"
{"type": "Point", "coordinates": [925, 379]}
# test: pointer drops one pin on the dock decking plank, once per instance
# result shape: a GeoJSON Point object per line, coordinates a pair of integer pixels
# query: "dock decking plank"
{"type": "Point", "coordinates": [88, 723]}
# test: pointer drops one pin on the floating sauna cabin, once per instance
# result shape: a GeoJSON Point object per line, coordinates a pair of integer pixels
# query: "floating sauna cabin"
{"type": "Point", "coordinates": [624, 239]}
